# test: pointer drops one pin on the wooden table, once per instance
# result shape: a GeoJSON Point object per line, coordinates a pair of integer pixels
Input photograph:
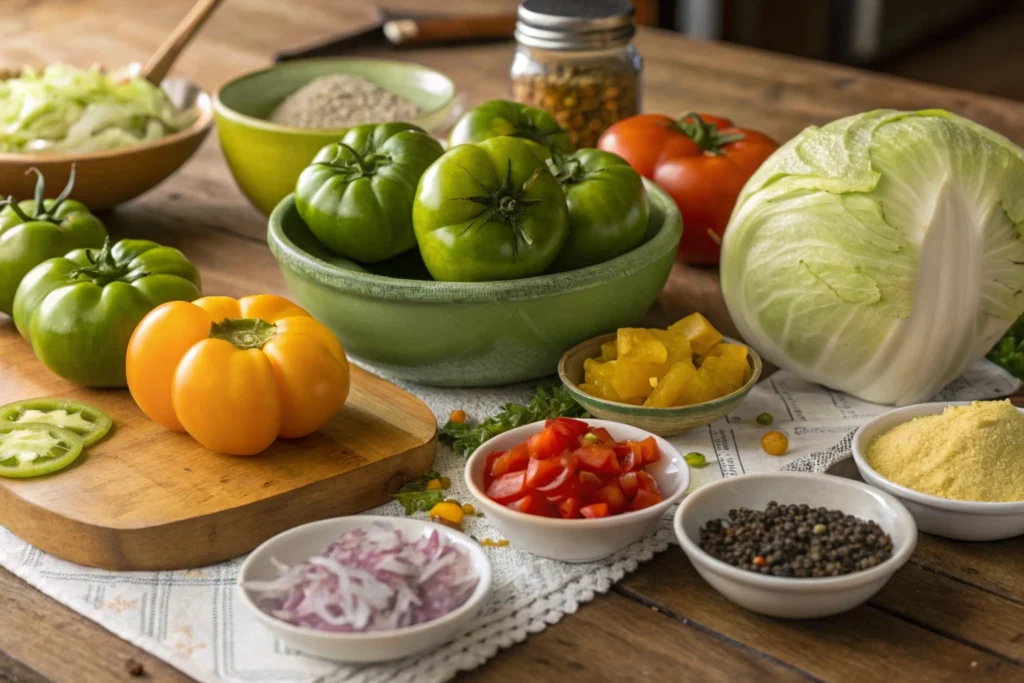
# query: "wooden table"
{"type": "Point", "coordinates": [955, 612]}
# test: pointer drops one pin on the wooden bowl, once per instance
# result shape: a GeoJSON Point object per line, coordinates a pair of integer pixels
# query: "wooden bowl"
{"type": "Point", "coordinates": [110, 177]}
{"type": "Point", "coordinates": [661, 421]}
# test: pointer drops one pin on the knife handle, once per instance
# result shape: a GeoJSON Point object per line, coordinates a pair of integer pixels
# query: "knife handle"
{"type": "Point", "coordinates": [449, 29]}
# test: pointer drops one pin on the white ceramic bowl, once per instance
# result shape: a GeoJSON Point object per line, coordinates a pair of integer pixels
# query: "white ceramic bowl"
{"type": "Point", "coordinates": [299, 544]}
{"type": "Point", "coordinates": [578, 540]}
{"type": "Point", "coordinates": [960, 520]}
{"type": "Point", "coordinates": [790, 597]}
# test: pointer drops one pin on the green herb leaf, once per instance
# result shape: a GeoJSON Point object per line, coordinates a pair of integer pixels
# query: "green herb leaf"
{"type": "Point", "coordinates": [415, 497]}
{"type": "Point", "coordinates": [546, 403]}
{"type": "Point", "coordinates": [1009, 352]}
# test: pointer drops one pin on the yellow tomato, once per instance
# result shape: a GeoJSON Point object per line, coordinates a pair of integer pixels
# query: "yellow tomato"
{"type": "Point", "coordinates": [237, 374]}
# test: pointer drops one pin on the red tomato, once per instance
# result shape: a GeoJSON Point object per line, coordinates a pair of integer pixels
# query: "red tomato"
{"type": "Point", "coordinates": [589, 483]}
{"type": "Point", "coordinates": [612, 495]}
{"type": "Point", "coordinates": [511, 461]}
{"type": "Point", "coordinates": [702, 161]}
{"type": "Point", "coordinates": [633, 459]}
{"type": "Point", "coordinates": [598, 458]}
{"type": "Point", "coordinates": [507, 487]}
{"type": "Point", "coordinates": [594, 510]}
{"type": "Point", "coordinates": [629, 484]}
{"type": "Point", "coordinates": [650, 450]}
{"type": "Point", "coordinates": [533, 504]}
{"type": "Point", "coordinates": [645, 499]}
{"type": "Point", "coordinates": [547, 443]}
{"type": "Point", "coordinates": [569, 508]}
{"type": "Point", "coordinates": [646, 482]}
{"type": "Point", "coordinates": [603, 435]}
{"type": "Point", "coordinates": [564, 483]}
{"type": "Point", "coordinates": [573, 429]}
{"type": "Point", "coordinates": [540, 472]}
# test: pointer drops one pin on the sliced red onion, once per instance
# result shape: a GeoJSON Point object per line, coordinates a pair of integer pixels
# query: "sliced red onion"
{"type": "Point", "coordinates": [370, 579]}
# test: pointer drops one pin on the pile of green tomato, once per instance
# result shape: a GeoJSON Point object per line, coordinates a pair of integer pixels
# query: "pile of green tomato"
{"type": "Point", "coordinates": [74, 295]}
{"type": "Point", "coordinates": [509, 199]}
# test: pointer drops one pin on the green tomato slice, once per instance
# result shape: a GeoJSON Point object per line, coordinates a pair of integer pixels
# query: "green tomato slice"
{"type": "Point", "coordinates": [88, 422]}
{"type": "Point", "coordinates": [32, 449]}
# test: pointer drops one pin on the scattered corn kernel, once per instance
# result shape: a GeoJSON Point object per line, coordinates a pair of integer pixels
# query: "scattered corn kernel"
{"type": "Point", "coordinates": [457, 416]}
{"type": "Point", "coordinates": [488, 543]}
{"type": "Point", "coordinates": [447, 513]}
{"type": "Point", "coordinates": [433, 484]}
{"type": "Point", "coordinates": [695, 459]}
{"type": "Point", "coordinates": [446, 483]}
{"type": "Point", "coordinates": [468, 508]}
{"type": "Point", "coordinates": [775, 443]}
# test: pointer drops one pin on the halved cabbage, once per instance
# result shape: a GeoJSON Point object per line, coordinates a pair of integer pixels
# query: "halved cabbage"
{"type": "Point", "coordinates": [880, 254]}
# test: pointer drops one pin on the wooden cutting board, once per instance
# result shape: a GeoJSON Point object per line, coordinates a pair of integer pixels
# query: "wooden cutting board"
{"type": "Point", "coordinates": [146, 498]}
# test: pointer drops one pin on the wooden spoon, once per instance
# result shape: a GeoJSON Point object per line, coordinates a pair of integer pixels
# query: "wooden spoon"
{"type": "Point", "coordinates": [163, 59]}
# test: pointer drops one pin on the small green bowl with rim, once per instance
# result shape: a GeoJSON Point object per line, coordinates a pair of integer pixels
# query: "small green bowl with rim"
{"type": "Point", "coordinates": [393, 316]}
{"type": "Point", "coordinates": [660, 421]}
{"type": "Point", "coordinates": [266, 158]}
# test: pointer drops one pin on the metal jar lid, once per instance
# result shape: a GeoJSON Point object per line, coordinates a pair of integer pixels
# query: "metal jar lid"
{"type": "Point", "coordinates": [575, 24]}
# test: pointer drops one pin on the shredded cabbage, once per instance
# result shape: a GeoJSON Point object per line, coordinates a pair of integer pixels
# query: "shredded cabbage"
{"type": "Point", "coordinates": [65, 109]}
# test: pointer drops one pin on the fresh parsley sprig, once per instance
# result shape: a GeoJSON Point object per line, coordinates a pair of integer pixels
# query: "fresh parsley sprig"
{"type": "Point", "coordinates": [416, 497]}
{"type": "Point", "coordinates": [1009, 352]}
{"type": "Point", "coordinates": [546, 403]}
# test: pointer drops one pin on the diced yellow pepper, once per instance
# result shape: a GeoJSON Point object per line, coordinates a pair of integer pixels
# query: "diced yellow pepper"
{"type": "Point", "coordinates": [633, 379]}
{"type": "Point", "coordinates": [447, 513]}
{"type": "Point", "coordinates": [682, 385]}
{"type": "Point", "coordinates": [698, 330]}
{"type": "Point", "coordinates": [733, 351]}
{"type": "Point", "coordinates": [725, 374]}
{"type": "Point", "coordinates": [600, 391]}
{"type": "Point", "coordinates": [608, 351]}
{"type": "Point", "coordinates": [678, 346]}
{"type": "Point", "coordinates": [635, 344]}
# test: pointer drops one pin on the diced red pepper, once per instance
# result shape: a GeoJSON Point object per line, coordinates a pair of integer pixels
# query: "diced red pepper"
{"type": "Point", "coordinates": [598, 458]}
{"type": "Point", "coordinates": [594, 510]}
{"type": "Point", "coordinates": [569, 508]}
{"type": "Point", "coordinates": [533, 504]}
{"type": "Point", "coordinates": [540, 472]}
{"type": "Point", "coordinates": [507, 487]}
{"type": "Point", "coordinates": [547, 443]}
{"type": "Point", "coordinates": [603, 435]}
{"type": "Point", "coordinates": [645, 499]}
{"type": "Point", "coordinates": [634, 459]}
{"type": "Point", "coordinates": [629, 484]}
{"type": "Point", "coordinates": [647, 482]}
{"type": "Point", "coordinates": [510, 461]}
{"type": "Point", "coordinates": [612, 495]}
{"type": "Point", "coordinates": [589, 483]}
{"type": "Point", "coordinates": [651, 452]}
{"type": "Point", "coordinates": [568, 427]}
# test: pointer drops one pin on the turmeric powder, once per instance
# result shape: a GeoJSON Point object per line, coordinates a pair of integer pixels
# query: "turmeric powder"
{"type": "Point", "coordinates": [973, 452]}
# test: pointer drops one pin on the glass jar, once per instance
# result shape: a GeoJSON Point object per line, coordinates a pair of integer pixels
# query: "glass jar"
{"type": "Point", "coordinates": [577, 62]}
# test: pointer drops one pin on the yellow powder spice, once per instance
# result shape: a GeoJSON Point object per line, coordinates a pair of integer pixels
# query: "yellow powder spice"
{"type": "Point", "coordinates": [973, 452]}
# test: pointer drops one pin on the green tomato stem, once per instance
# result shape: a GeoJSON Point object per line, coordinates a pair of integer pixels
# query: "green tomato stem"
{"type": "Point", "coordinates": [705, 134]}
{"type": "Point", "coordinates": [244, 333]}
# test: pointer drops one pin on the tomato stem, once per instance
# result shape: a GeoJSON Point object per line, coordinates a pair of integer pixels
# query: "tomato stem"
{"type": "Point", "coordinates": [706, 135]}
{"type": "Point", "coordinates": [244, 333]}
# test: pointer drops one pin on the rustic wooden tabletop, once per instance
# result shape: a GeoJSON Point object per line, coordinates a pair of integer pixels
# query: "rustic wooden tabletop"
{"type": "Point", "coordinates": [955, 612]}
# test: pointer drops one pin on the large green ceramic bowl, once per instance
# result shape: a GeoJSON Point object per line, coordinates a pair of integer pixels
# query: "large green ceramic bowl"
{"type": "Point", "coordinates": [393, 316]}
{"type": "Point", "coordinates": [266, 158]}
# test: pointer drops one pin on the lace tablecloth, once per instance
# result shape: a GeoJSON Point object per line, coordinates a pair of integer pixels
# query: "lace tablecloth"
{"type": "Point", "coordinates": [194, 620]}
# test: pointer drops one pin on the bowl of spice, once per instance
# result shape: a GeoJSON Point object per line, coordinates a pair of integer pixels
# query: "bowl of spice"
{"type": "Point", "coordinates": [271, 123]}
{"type": "Point", "coordinates": [959, 468]}
{"type": "Point", "coordinates": [795, 545]}
{"type": "Point", "coordinates": [366, 588]}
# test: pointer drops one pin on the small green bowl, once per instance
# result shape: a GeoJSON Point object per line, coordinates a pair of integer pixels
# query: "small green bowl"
{"type": "Point", "coordinates": [661, 421]}
{"type": "Point", "coordinates": [462, 334]}
{"type": "Point", "coordinates": [266, 158]}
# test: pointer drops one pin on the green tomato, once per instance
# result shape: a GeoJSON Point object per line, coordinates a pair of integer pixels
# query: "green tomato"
{"type": "Point", "coordinates": [79, 311]}
{"type": "Point", "coordinates": [32, 449]}
{"type": "Point", "coordinates": [34, 230]}
{"type": "Point", "coordinates": [87, 421]}
{"type": "Point", "coordinates": [356, 196]}
{"type": "Point", "coordinates": [608, 208]}
{"type": "Point", "coordinates": [498, 118]}
{"type": "Point", "coordinates": [490, 211]}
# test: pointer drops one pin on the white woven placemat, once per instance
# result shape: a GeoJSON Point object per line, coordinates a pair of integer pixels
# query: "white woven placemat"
{"type": "Point", "coordinates": [193, 620]}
